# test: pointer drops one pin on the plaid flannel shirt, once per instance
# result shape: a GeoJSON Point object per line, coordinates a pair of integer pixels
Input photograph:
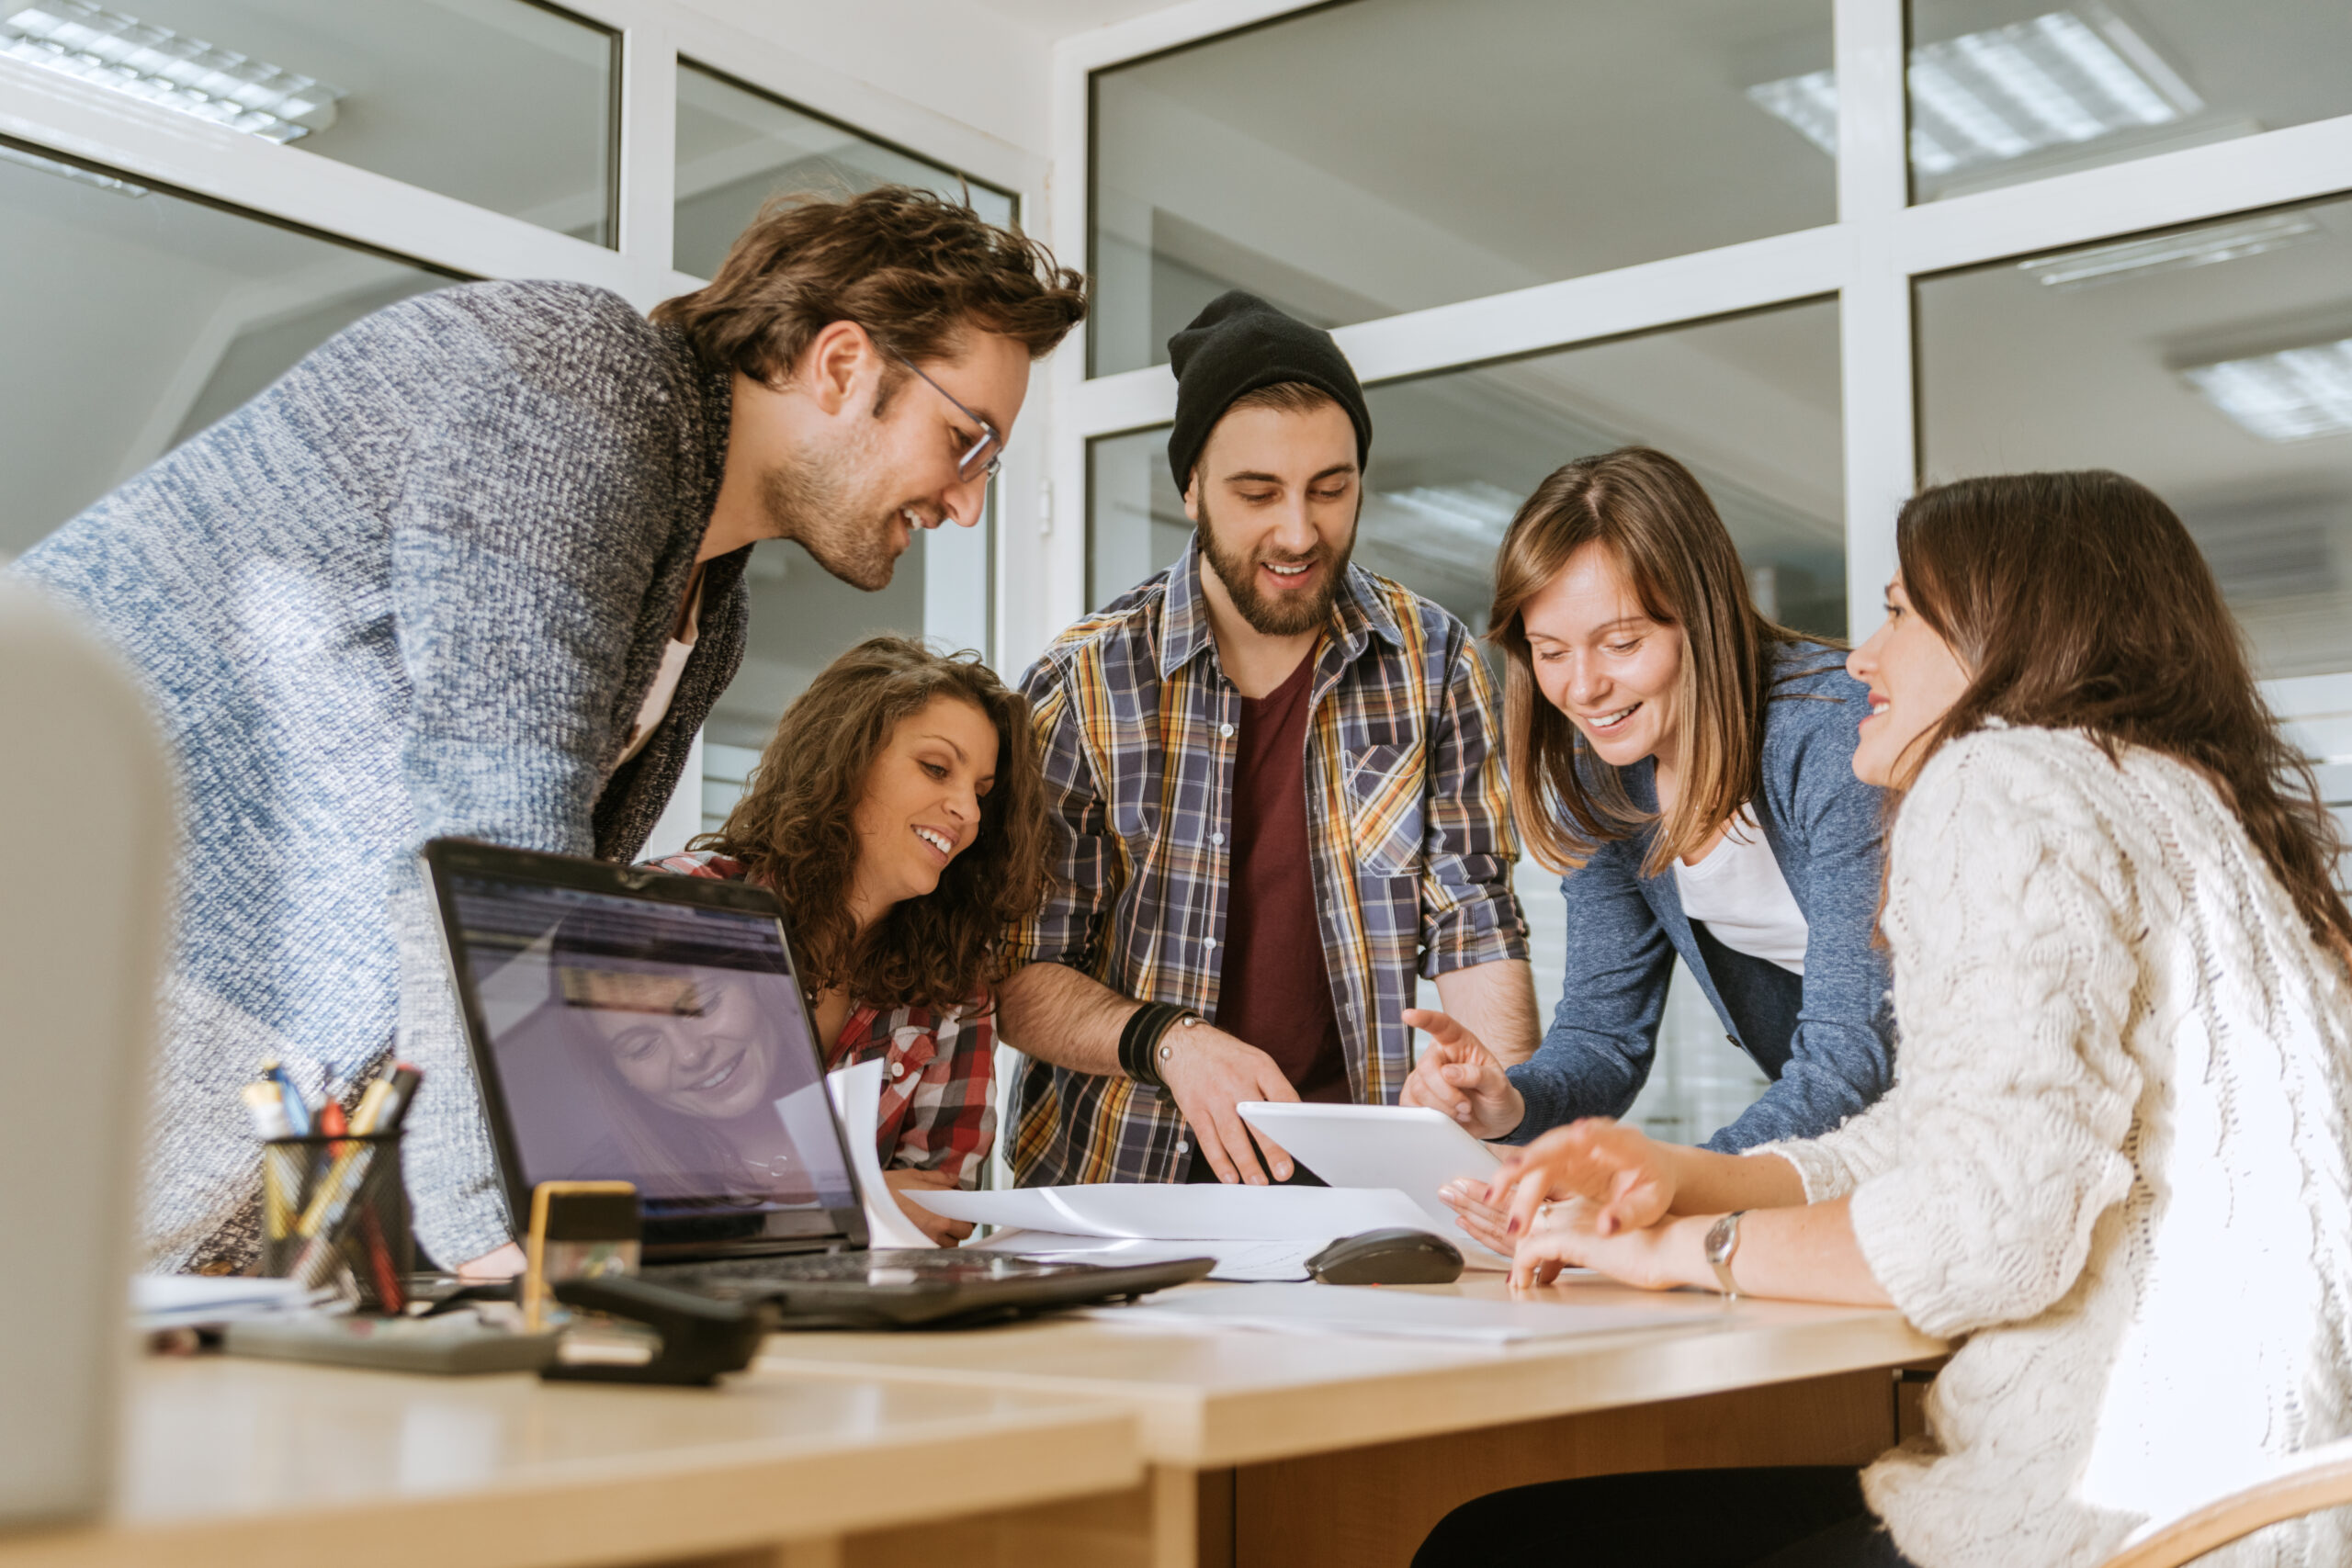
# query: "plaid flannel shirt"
{"type": "Point", "coordinates": [938, 1108]}
{"type": "Point", "coordinates": [1408, 825]}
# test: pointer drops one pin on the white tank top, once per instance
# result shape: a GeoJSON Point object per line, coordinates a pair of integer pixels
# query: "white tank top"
{"type": "Point", "coordinates": [1740, 893]}
{"type": "Point", "coordinates": [656, 706]}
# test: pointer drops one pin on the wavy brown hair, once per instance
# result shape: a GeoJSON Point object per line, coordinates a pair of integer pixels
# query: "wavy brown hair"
{"type": "Point", "coordinates": [1651, 513]}
{"type": "Point", "coordinates": [914, 269]}
{"type": "Point", "coordinates": [2078, 601]}
{"type": "Point", "coordinates": [793, 832]}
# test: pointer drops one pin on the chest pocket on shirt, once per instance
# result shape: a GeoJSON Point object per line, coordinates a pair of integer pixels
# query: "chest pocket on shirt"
{"type": "Point", "coordinates": [1385, 788]}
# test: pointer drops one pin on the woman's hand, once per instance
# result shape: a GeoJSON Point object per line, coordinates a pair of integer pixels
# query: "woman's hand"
{"type": "Point", "coordinates": [1568, 1235]}
{"type": "Point", "coordinates": [941, 1230]}
{"type": "Point", "coordinates": [1629, 1180]}
{"type": "Point", "coordinates": [1481, 1219]}
{"type": "Point", "coordinates": [1460, 1077]}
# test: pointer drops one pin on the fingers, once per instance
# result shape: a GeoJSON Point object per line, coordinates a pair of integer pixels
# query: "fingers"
{"type": "Point", "coordinates": [1209, 1141]}
{"type": "Point", "coordinates": [1483, 1224]}
{"type": "Point", "coordinates": [1441, 1028]}
{"type": "Point", "coordinates": [1278, 1158]}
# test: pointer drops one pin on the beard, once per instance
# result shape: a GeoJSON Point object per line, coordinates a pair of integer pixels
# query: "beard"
{"type": "Point", "coordinates": [830, 502]}
{"type": "Point", "coordinates": [1290, 613]}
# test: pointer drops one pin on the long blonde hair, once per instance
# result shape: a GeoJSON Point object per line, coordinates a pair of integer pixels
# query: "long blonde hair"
{"type": "Point", "coordinates": [1648, 512]}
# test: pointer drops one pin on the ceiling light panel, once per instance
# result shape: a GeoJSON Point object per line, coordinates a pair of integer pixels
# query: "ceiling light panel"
{"type": "Point", "coordinates": [2296, 394]}
{"type": "Point", "coordinates": [169, 68]}
{"type": "Point", "coordinates": [2172, 253]}
{"type": "Point", "coordinates": [2062, 79]}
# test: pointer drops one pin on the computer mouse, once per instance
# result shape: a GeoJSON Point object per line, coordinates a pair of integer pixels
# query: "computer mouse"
{"type": "Point", "coordinates": [1395, 1257]}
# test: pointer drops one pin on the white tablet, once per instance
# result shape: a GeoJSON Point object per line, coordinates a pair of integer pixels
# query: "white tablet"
{"type": "Point", "coordinates": [1409, 1147]}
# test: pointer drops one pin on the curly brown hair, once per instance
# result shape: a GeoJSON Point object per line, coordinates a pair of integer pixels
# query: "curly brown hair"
{"type": "Point", "coordinates": [793, 830]}
{"type": "Point", "coordinates": [912, 268]}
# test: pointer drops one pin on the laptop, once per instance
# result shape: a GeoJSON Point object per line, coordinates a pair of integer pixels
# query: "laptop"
{"type": "Point", "coordinates": [650, 1027]}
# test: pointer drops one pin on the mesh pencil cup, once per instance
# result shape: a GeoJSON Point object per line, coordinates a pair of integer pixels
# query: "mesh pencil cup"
{"type": "Point", "coordinates": [334, 1212]}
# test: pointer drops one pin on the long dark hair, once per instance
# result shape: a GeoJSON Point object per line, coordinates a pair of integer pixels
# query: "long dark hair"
{"type": "Point", "coordinates": [794, 833]}
{"type": "Point", "coordinates": [2080, 602]}
{"type": "Point", "coordinates": [1654, 517]}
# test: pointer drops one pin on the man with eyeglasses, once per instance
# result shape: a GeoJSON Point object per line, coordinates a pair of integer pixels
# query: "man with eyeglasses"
{"type": "Point", "coordinates": [474, 568]}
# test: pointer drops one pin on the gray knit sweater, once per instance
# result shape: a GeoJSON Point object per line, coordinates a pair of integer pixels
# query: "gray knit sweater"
{"type": "Point", "coordinates": [420, 586]}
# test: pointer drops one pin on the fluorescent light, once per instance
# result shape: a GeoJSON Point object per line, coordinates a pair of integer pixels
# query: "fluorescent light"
{"type": "Point", "coordinates": [2059, 80]}
{"type": "Point", "coordinates": [169, 68]}
{"type": "Point", "coordinates": [73, 171]}
{"type": "Point", "coordinates": [1474, 510]}
{"type": "Point", "coordinates": [2295, 394]}
{"type": "Point", "coordinates": [2172, 253]}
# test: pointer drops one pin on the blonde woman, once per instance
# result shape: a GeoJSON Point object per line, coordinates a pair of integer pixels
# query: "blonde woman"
{"type": "Point", "coordinates": [1686, 763]}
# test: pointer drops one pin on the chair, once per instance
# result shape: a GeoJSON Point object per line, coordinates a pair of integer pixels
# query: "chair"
{"type": "Point", "coordinates": [84, 897]}
{"type": "Point", "coordinates": [2317, 1478]}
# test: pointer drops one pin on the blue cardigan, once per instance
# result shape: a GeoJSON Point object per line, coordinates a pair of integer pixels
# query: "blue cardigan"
{"type": "Point", "coordinates": [1827, 1040]}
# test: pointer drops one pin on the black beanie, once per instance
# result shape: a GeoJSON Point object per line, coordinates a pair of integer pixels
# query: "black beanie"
{"type": "Point", "coordinates": [1235, 346]}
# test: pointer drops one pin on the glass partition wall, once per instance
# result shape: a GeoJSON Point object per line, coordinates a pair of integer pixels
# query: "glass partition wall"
{"type": "Point", "coordinates": [1820, 249]}
{"type": "Point", "coordinates": [737, 148]}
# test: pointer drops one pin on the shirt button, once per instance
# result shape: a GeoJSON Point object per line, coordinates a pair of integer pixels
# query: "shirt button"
{"type": "Point", "coordinates": [898, 1069]}
{"type": "Point", "coordinates": [1225, 730]}
{"type": "Point", "coordinates": [1182, 1147]}
{"type": "Point", "coordinates": [1207, 943]}
{"type": "Point", "coordinates": [1216, 838]}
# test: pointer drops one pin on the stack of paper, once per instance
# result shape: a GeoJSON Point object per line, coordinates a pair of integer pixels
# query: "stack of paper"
{"type": "Point", "coordinates": [191, 1301]}
{"type": "Point", "coordinates": [1254, 1233]}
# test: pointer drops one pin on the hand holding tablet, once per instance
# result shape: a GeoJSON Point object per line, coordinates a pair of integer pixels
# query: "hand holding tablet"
{"type": "Point", "coordinates": [1411, 1149]}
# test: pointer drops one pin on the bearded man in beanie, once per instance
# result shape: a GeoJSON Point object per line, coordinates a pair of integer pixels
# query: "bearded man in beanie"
{"type": "Point", "coordinates": [1275, 796]}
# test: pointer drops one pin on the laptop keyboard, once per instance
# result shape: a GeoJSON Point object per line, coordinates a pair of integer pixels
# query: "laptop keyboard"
{"type": "Point", "coordinates": [886, 1269]}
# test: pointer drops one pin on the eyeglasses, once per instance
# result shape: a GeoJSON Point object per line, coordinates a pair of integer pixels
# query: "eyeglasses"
{"type": "Point", "coordinates": [985, 454]}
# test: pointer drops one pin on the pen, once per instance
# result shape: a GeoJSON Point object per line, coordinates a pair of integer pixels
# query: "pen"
{"type": "Point", "coordinates": [267, 1109]}
{"type": "Point", "coordinates": [297, 1110]}
{"type": "Point", "coordinates": [328, 1205]}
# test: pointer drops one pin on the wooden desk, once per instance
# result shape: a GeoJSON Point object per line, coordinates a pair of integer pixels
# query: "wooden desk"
{"type": "Point", "coordinates": [260, 1464]}
{"type": "Point", "coordinates": [1302, 1450]}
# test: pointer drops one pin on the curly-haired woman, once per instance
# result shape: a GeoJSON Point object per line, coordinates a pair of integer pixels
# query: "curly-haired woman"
{"type": "Point", "coordinates": [897, 816]}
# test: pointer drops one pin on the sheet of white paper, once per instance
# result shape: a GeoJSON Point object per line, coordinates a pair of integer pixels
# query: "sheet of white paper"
{"type": "Point", "coordinates": [1340, 1309]}
{"type": "Point", "coordinates": [1156, 1212]}
{"type": "Point", "coordinates": [1246, 1260]}
{"type": "Point", "coordinates": [164, 1301]}
{"type": "Point", "coordinates": [857, 1100]}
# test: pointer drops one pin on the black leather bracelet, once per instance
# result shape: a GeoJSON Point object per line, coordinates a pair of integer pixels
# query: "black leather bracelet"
{"type": "Point", "coordinates": [1139, 1041]}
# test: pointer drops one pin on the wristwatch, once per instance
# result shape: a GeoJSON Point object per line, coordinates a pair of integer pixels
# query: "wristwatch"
{"type": "Point", "coordinates": [1723, 1242]}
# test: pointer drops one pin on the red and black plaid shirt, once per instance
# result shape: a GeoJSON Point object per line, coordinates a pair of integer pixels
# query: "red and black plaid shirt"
{"type": "Point", "coordinates": [939, 1070]}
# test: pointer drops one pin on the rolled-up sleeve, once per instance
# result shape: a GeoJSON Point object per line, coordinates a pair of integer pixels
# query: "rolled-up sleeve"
{"type": "Point", "coordinates": [2016, 972]}
{"type": "Point", "coordinates": [1469, 914]}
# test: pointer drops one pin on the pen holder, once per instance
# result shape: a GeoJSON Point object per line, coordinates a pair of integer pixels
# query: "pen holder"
{"type": "Point", "coordinates": [337, 1206]}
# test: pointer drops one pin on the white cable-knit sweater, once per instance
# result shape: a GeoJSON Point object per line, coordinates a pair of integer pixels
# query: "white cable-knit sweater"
{"type": "Point", "coordinates": [2114, 1158]}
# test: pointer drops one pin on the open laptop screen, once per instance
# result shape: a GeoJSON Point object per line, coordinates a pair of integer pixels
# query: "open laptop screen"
{"type": "Point", "coordinates": [646, 1040]}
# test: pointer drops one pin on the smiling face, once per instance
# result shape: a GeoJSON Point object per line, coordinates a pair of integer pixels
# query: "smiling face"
{"type": "Point", "coordinates": [921, 807]}
{"type": "Point", "coordinates": [695, 1045]}
{"type": "Point", "coordinates": [1914, 677]}
{"type": "Point", "coordinates": [1602, 659]}
{"type": "Point", "coordinates": [862, 470]}
{"type": "Point", "coordinates": [1276, 494]}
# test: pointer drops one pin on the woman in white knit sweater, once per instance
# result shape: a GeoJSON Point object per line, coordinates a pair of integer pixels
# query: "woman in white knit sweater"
{"type": "Point", "coordinates": [2115, 1159]}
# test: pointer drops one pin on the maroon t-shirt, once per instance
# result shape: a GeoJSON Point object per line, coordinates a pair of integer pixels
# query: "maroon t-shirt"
{"type": "Point", "coordinates": [1274, 991]}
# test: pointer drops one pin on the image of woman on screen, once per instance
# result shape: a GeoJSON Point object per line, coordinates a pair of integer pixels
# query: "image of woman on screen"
{"type": "Point", "coordinates": [897, 815]}
{"type": "Point", "coordinates": [704, 1085]}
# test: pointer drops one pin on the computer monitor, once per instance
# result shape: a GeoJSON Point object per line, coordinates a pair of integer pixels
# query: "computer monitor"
{"type": "Point", "coordinates": [647, 1028]}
